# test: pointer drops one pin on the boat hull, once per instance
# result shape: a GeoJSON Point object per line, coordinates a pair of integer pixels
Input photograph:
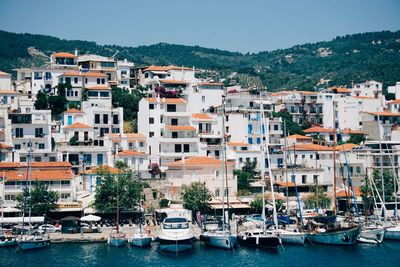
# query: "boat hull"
{"type": "Point", "coordinates": [292, 238]}
{"type": "Point", "coordinates": [141, 241]}
{"type": "Point", "coordinates": [116, 242]}
{"type": "Point", "coordinates": [176, 245]}
{"type": "Point", "coordinates": [35, 244]}
{"type": "Point", "coordinates": [345, 237]}
{"type": "Point", "coordinates": [260, 241]}
{"type": "Point", "coordinates": [372, 236]}
{"type": "Point", "coordinates": [225, 241]}
{"type": "Point", "coordinates": [393, 233]}
{"type": "Point", "coordinates": [8, 243]}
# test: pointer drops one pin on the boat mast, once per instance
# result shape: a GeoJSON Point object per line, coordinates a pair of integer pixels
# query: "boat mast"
{"type": "Point", "coordinates": [223, 162]}
{"type": "Point", "coordinates": [334, 156]}
{"type": "Point", "coordinates": [381, 168]}
{"type": "Point", "coordinates": [140, 200]}
{"type": "Point", "coordinates": [262, 150]}
{"type": "Point", "coordinates": [285, 167]}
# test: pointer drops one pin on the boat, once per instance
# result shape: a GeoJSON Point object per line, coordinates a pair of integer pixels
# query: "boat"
{"type": "Point", "coordinates": [34, 241]}
{"type": "Point", "coordinates": [116, 238]}
{"type": "Point", "coordinates": [289, 236]}
{"type": "Point", "coordinates": [31, 240]}
{"type": "Point", "coordinates": [175, 235]}
{"type": "Point", "coordinates": [372, 235]}
{"type": "Point", "coordinates": [222, 238]}
{"type": "Point", "coordinates": [8, 240]}
{"type": "Point", "coordinates": [393, 232]}
{"type": "Point", "coordinates": [338, 236]}
{"type": "Point", "coordinates": [257, 238]}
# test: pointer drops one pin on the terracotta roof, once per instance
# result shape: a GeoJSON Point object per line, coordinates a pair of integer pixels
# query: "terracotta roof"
{"type": "Point", "coordinates": [40, 175]}
{"type": "Point", "coordinates": [73, 110]}
{"type": "Point", "coordinates": [165, 68]}
{"type": "Point", "coordinates": [201, 117]}
{"type": "Point", "coordinates": [384, 113]}
{"type": "Point", "coordinates": [130, 153]}
{"type": "Point", "coordinates": [4, 91]}
{"type": "Point", "coordinates": [198, 161]}
{"type": "Point", "coordinates": [173, 82]}
{"type": "Point", "coordinates": [346, 147]}
{"type": "Point", "coordinates": [299, 137]}
{"type": "Point", "coordinates": [78, 125]}
{"type": "Point", "coordinates": [56, 164]}
{"type": "Point", "coordinates": [99, 87]}
{"type": "Point", "coordinates": [348, 193]}
{"type": "Point", "coordinates": [106, 168]}
{"type": "Point", "coordinates": [310, 147]}
{"type": "Point", "coordinates": [180, 128]}
{"type": "Point", "coordinates": [167, 100]}
{"type": "Point", "coordinates": [364, 97]}
{"type": "Point", "coordinates": [6, 165]}
{"type": "Point", "coordinates": [341, 89]}
{"type": "Point", "coordinates": [4, 146]}
{"type": "Point", "coordinates": [237, 144]}
{"type": "Point", "coordinates": [64, 54]}
{"type": "Point", "coordinates": [284, 184]}
{"type": "Point", "coordinates": [84, 74]}
{"type": "Point", "coordinates": [396, 101]}
{"type": "Point", "coordinates": [4, 74]}
{"type": "Point", "coordinates": [350, 131]}
{"type": "Point", "coordinates": [318, 129]}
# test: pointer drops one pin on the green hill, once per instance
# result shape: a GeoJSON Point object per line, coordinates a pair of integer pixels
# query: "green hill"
{"type": "Point", "coordinates": [347, 59]}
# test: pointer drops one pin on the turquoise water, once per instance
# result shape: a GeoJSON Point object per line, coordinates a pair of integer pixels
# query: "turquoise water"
{"type": "Point", "coordinates": [100, 254]}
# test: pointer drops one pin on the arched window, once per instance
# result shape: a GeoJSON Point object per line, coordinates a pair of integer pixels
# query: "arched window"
{"type": "Point", "coordinates": [217, 192]}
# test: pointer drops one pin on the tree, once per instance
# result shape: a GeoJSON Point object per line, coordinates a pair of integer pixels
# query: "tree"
{"type": "Point", "coordinates": [57, 103]}
{"type": "Point", "coordinates": [128, 191]}
{"type": "Point", "coordinates": [256, 204]}
{"type": "Point", "coordinates": [41, 200]}
{"type": "Point", "coordinates": [128, 101]}
{"type": "Point", "coordinates": [356, 139]}
{"type": "Point", "coordinates": [196, 196]}
{"type": "Point", "coordinates": [388, 185]}
{"type": "Point", "coordinates": [247, 174]}
{"type": "Point", "coordinates": [41, 101]}
{"type": "Point", "coordinates": [390, 96]}
{"type": "Point", "coordinates": [318, 198]}
{"type": "Point", "coordinates": [291, 126]}
{"type": "Point", "coordinates": [164, 203]}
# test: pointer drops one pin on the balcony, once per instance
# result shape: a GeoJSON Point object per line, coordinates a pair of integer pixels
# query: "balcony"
{"type": "Point", "coordinates": [178, 154]}
{"type": "Point", "coordinates": [178, 140]}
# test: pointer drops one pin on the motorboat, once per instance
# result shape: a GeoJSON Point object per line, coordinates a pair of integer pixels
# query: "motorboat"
{"type": "Point", "coordinates": [219, 239]}
{"type": "Point", "coordinates": [175, 235]}
{"type": "Point", "coordinates": [257, 238]}
{"type": "Point", "coordinates": [35, 241]}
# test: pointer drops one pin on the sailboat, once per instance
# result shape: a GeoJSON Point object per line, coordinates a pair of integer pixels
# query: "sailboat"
{"type": "Point", "coordinates": [140, 239]}
{"type": "Point", "coordinates": [31, 240]}
{"type": "Point", "coordinates": [222, 238]}
{"type": "Point", "coordinates": [262, 238]}
{"type": "Point", "coordinates": [116, 237]}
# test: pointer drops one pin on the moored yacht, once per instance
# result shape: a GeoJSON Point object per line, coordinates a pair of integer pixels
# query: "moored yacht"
{"type": "Point", "coordinates": [36, 241]}
{"type": "Point", "coordinates": [175, 235]}
{"type": "Point", "coordinates": [257, 238]}
{"type": "Point", "coordinates": [219, 238]}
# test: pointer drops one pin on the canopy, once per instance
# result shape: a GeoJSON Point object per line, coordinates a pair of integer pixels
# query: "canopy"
{"type": "Point", "coordinates": [9, 209]}
{"type": "Point", "coordinates": [90, 218]}
{"type": "Point", "coordinates": [38, 219]}
{"type": "Point", "coordinates": [70, 218]}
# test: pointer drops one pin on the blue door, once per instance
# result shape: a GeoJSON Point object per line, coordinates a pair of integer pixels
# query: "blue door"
{"type": "Point", "coordinates": [69, 120]}
{"type": "Point", "coordinates": [99, 159]}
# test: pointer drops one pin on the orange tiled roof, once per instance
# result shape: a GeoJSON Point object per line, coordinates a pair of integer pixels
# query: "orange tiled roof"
{"type": "Point", "coordinates": [106, 168]}
{"type": "Point", "coordinates": [99, 87]}
{"type": "Point", "coordinates": [318, 129]}
{"type": "Point", "coordinates": [78, 125]}
{"type": "Point", "coordinates": [130, 153]}
{"type": "Point", "coordinates": [73, 110]}
{"type": "Point", "coordinates": [167, 100]}
{"type": "Point", "coordinates": [396, 101]}
{"type": "Point", "coordinates": [299, 137]}
{"type": "Point", "coordinates": [310, 147]}
{"type": "Point", "coordinates": [173, 82]}
{"type": "Point", "coordinates": [4, 91]}
{"type": "Point", "coordinates": [351, 131]}
{"type": "Point", "coordinates": [198, 161]}
{"type": "Point", "coordinates": [64, 54]}
{"type": "Point", "coordinates": [7, 165]}
{"type": "Point", "coordinates": [364, 97]}
{"type": "Point", "coordinates": [201, 116]}
{"type": "Point", "coordinates": [4, 146]}
{"type": "Point", "coordinates": [40, 175]}
{"type": "Point", "coordinates": [284, 184]}
{"type": "Point", "coordinates": [237, 144]}
{"type": "Point", "coordinates": [84, 74]}
{"type": "Point", "coordinates": [347, 193]}
{"type": "Point", "coordinates": [384, 113]}
{"type": "Point", "coordinates": [341, 89]}
{"type": "Point", "coordinates": [180, 128]}
{"type": "Point", "coordinates": [346, 147]}
{"type": "Point", "coordinates": [51, 164]}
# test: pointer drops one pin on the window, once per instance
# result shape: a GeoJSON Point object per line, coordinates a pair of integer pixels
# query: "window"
{"type": "Point", "coordinates": [97, 118]}
{"type": "Point", "coordinates": [52, 159]}
{"type": "Point", "coordinates": [258, 140]}
{"type": "Point", "coordinates": [87, 158]}
{"type": "Point", "coordinates": [104, 94]}
{"type": "Point", "coordinates": [293, 178]}
{"type": "Point", "coordinates": [151, 106]}
{"type": "Point", "coordinates": [186, 148]}
{"type": "Point", "coordinates": [141, 144]}
{"type": "Point", "coordinates": [276, 127]}
{"type": "Point", "coordinates": [76, 80]}
{"type": "Point", "coordinates": [103, 81]}
{"type": "Point", "coordinates": [178, 148]}
{"type": "Point", "coordinates": [38, 159]}
{"type": "Point", "coordinates": [41, 146]}
{"type": "Point", "coordinates": [174, 135]}
{"type": "Point", "coordinates": [115, 119]}
{"type": "Point", "coordinates": [151, 120]}
{"type": "Point", "coordinates": [17, 147]}
{"type": "Point", "coordinates": [216, 153]}
{"type": "Point", "coordinates": [250, 140]}
{"type": "Point", "coordinates": [86, 136]}
{"type": "Point", "coordinates": [68, 80]}
{"type": "Point", "coordinates": [174, 121]}
{"type": "Point", "coordinates": [216, 174]}
{"type": "Point", "coordinates": [203, 99]}
{"type": "Point", "coordinates": [19, 132]}
{"type": "Point", "coordinates": [216, 192]}
{"type": "Point", "coordinates": [240, 160]}
{"type": "Point", "coordinates": [105, 118]}
{"type": "Point", "coordinates": [304, 179]}
{"type": "Point", "coordinates": [22, 159]}
{"type": "Point", "coordinates": [98, 81]}
{"type": "Point", "coordinates": [151, 134]}
{"type": "Point", "coordinates": [171, 108]}
{"type": "Point", "coordinates": [358, 169]}
{"type": "Point", "coordinates": [38, 132]}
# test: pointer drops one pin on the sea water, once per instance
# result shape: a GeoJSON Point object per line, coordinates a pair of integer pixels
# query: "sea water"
{"type": "Point", "coordinates": [100, 254]}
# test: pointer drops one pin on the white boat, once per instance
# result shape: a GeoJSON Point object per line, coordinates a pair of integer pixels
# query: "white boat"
{"type": "Point", "coordinates": [117, 239]}
{"type": "Point", "coordinates": [8, 241]}
{"type": "Point", "coordinates": [372, 235]}
{"type": "Point", "coordinates": [219, 238]}
{"type": "Point", "coordinates": [140, 240]}
{"type": "Point", "coordinates": [289, 237]}
{"type": "Point", "coordinates": [339, 236]}
{"type": "Point", "coordinates": [175, 235]}
{"type": "Point", "coordinates": [257, 238]}
{"type": "Point", "coordinates": [393, 232]}
{"type": "Point", "coordinates": [29, 242]}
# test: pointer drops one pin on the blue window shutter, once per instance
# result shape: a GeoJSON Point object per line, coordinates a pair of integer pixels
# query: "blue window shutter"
{"type": "Point", "coordinates": [250, 140]}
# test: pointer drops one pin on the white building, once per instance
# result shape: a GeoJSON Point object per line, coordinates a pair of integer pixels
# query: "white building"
{"type": "Point", "coordinates": [5, 81]}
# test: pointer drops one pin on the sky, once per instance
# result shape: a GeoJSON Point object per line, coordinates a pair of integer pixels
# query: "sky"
{"type": "Point", "coordinates": [243, 26]}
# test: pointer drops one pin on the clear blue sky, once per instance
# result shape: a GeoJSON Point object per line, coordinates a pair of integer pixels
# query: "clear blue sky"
{"type": "Point", "coordinates": [245, 26]}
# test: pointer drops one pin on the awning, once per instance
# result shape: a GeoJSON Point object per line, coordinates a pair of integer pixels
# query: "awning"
{"type": "Point", "coordinates": [218, 206]}
{"type": "Point", "coordinates": [90, 218]}
{"type": "Point", "coordinates": [37, 219]}
{"type": "Point", "coordinates": [240, 206]}
{"type": "Point", "coordinates": [9, 209]}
